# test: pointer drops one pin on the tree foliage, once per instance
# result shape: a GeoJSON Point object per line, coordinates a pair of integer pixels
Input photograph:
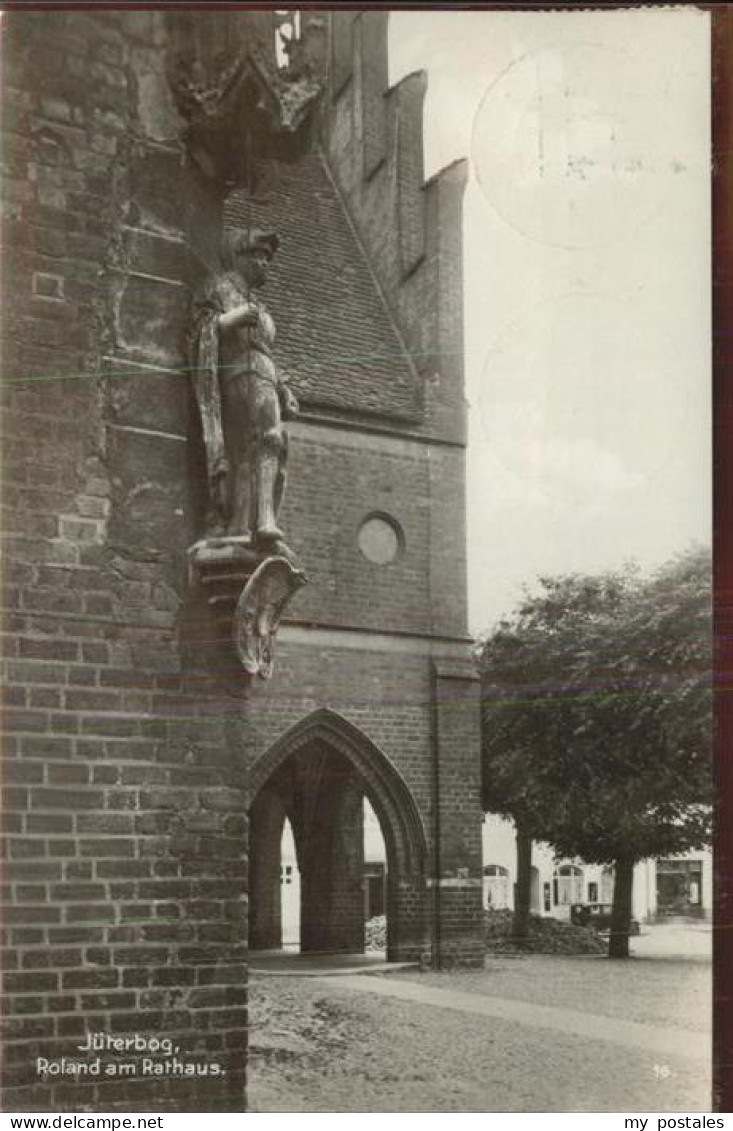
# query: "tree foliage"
{"type": "Point", "coordinates": [597, 712]}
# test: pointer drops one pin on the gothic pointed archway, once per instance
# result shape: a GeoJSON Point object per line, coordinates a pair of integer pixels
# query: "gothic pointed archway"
{"type": "Point", "coordinates": [316, 776]}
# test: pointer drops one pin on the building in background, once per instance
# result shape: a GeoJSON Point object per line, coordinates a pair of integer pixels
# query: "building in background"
{"type": "Point", "coordinates": [663, 889]}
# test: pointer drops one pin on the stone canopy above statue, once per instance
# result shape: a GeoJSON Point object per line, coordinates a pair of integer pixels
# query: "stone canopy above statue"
{"type": "Point", "coordinates": [240, 102]}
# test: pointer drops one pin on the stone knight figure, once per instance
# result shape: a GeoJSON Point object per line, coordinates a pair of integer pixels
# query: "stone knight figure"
{"type": "Point", "coordinates": [241, 399]}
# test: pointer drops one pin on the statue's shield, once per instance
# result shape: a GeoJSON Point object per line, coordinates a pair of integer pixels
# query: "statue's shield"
{"type": "Point", "coordinates": [259, 608]}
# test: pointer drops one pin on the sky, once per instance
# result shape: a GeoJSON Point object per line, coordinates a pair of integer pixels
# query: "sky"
{"type": "Point", "coordinates": [586, 282]}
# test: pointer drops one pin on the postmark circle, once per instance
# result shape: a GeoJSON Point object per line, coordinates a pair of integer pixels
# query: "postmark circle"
{"type": "Point", "coordinates": [565, 149]}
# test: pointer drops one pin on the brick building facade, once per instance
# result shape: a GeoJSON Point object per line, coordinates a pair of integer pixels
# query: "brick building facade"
{"type": "Point", "coordinates": [134, 753]}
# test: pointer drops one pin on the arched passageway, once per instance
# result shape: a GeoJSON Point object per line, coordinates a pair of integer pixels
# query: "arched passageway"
{"type": "Point", "coordinates": [316, 777]}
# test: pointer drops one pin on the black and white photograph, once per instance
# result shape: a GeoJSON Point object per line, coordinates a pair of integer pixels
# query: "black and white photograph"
{"type": "Point", "coordinates": [357, 562]}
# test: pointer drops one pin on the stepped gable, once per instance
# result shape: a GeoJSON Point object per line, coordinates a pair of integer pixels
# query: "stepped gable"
{"type": "Point", "coordinates": [410, 228]}
{"type": "Point", "coordinates": [335, 339]}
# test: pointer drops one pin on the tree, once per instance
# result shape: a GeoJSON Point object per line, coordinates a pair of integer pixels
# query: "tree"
{"type": "Point", "coordinates": [519, 663]}
{"type": "Point", "coordinates": [597, 719]}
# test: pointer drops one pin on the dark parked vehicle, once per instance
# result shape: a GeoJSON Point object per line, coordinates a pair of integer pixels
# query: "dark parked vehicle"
{"type": "Point", "coordinates": [598, 916]}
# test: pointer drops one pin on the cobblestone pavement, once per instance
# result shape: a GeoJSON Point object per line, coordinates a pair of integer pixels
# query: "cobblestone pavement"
{"type": "Point", "coordinates": [319, 1045]}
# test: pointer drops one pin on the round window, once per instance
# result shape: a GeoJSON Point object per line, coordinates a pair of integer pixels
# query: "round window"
{"type": "Point", "coordinates": [379, 539]}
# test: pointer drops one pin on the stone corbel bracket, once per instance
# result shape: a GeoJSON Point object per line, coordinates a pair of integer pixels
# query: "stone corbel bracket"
{"type": "Point", "coordinates": [251, 587]}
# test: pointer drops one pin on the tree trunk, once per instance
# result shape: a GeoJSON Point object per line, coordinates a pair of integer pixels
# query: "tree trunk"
{"type": "Point", "coordinates": [523, 889]}
{"type": "Point", "coordinates": [618, 944]}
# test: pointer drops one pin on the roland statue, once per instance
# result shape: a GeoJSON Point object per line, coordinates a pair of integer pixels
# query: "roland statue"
{"type": "Point", "coordinates": [241, 399]}
{"type": "Point", "coordinates": [243, 559]}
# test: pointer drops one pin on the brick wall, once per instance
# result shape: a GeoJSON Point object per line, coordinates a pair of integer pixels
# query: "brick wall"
{"type": "Point", "coordinates": [458, 878]}
{"type": "Point", "coordinates": [124, 794]}
{"type": "Point", "coordinates": [336, 480]}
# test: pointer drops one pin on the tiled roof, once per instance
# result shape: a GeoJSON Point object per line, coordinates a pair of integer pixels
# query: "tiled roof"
{"type": "Point", "coordinates": [335, 339]}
